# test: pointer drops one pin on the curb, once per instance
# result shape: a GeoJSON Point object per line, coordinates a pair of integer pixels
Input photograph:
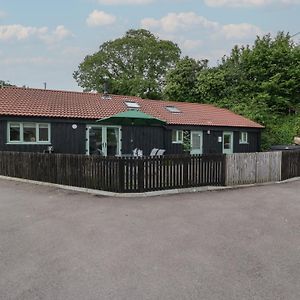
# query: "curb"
{"type": "Point", "coordinates": [146, 194]}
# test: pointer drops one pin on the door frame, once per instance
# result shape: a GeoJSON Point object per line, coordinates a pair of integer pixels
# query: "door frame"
{"type": "Point", "coordinates": [200, 132]}
{"type": "Point", "coordinates": [104, 138]}
{"type": "Point", "coordinates": [228, 151]}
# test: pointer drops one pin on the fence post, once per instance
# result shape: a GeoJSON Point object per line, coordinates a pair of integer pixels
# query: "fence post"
{"type": "Point", "coordinates": [224, 170]}
{"type": "Point", "coordinates": [140, 162]}
{"type": "Point", "coordinates": [121, 163]}
{"type": "Point", "coordinates": [185, 170]}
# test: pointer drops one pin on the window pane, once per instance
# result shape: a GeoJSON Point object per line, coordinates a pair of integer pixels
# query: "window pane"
{"type": "Point", "coordinates": [173, 109]}
{"type": "Point", "coordinates": [227, 141]}
{"type": "Point", "coordinates": [43, 133]}
{"type": "Point", "coordinates": [174, 137]}
{"type": "Point", "coordinates": [112, 141]}
{"type": "Point", "coordinates": [243, 137]}
{"type": "Point", "coordinates": [196, 141]}
{"type": "Point", "coordinates": [96, 141]}
{"type": "Point", "coordinates": [14, 132]}
{"type": "Point", "coordinates": [180, 135]}
{"type": "Point", "coordinates": [29, 133]}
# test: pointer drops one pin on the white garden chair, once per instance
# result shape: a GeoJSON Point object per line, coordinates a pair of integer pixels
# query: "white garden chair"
{"type": "Point", "coordinates": [154, 151]}
{"type": "Point", "coordinates": [160, 152]}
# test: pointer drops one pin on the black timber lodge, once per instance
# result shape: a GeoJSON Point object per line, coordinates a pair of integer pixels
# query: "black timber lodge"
{"type": "Point", "coordinates": [36, 120]}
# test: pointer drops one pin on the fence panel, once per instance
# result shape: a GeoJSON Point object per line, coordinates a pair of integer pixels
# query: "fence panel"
{"type": "Point", "coordinates": [248, 168]}
{"type": "Point", "coordinates": [75, 170]}
{"type": "Point", "coordinates": [174, 171]}
{"type": "Point", "coordinates": [268, 167]}
{"type": "Point", "coordinates": [290, 164]}
{"type": "Point", "coordinates": [241, 168]}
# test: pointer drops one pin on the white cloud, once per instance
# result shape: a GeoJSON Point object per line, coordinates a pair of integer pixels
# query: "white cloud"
{"type": "Point", "coordinates": [239, 31]}
{"type": "Point", "coordinates": [182, 24]}
{"type": "Point", "coordinates": [248, 3]}
{"type": "Point", "coordinates": [192, 44]}
{"type": "Point", "coordinates": [57, 35]}
{"type": "Point", "coordinates": [100, 18]}
{"type": "Point", "coordinates": [61, 32]}
{"type": "Point", "coordinates": [119, 2]}
{"type": "Point", "coordinates": [216, 39]}
{"type": "Point", "coordinates": [20, 32]}
{"type": "Point", "coordinates": [180, 21]}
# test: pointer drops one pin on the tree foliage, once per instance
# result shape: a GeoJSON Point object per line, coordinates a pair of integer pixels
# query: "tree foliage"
{"type": "Point", "coordinates": [135, 64]}
{"type": "Point", "coordinates": [181, 81]}
{"type": "Point", "coordinates": [4, 83]}
{"type": "Point", "coordinates": [261, 82]}
{"type": "Point", "coordinates": [265, 74]}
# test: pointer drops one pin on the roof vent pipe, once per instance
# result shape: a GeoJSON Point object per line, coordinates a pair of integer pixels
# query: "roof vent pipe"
{"type": "Point", "coordinates": [105, 89]}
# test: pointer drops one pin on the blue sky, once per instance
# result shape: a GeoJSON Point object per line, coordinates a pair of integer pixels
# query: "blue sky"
{"type": "Point", "coordinates": [44, 41]}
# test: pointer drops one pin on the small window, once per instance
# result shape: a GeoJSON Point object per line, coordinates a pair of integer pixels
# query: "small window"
{"type": "Point", "coordinates": [28, 133]}
{"type": "Point", "coordinates": [43, 130]}
{"type": "Point", "coordinates": [177, 136]}
{"type": "Point", "coordinates": [132, 104]}
{"type": "Point", "coordinates": [243, 137]}
{"type": "Point", "coordinates": [173, 109]}
{"type": "Point", "coordinates": [14, 132]}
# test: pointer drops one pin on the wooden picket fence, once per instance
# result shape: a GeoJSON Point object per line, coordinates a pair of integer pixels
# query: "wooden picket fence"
{"type": "Point", "coordinates": [170, 172]}
{"type": "Point", "coordinates": [133, 175]}
{"type": "Point", "coordinates": [116, 174]}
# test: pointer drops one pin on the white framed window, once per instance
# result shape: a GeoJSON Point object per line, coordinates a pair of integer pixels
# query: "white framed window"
{"type": "Point", "coordinates": [14, 132]}
{"type": "Point", "coordinates": [177, 136]}
{"type": "Point", "coordinates": [243, 137]}
{"type": "Point", "coordinates": [28, 133]}
{"type": "Point", "coordinates": [132, 105]}
{"type": "Point", "coordinates": [173, 109]}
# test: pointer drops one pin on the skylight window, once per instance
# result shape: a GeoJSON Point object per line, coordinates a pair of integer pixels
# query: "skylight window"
{"type": "Point", "coordinates": [132, 104]}
{"type": "Point", "coordinates": [173, 109]}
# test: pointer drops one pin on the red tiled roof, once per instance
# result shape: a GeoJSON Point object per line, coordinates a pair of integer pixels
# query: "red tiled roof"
{"type": "Point", "coordinates": [63, 104]}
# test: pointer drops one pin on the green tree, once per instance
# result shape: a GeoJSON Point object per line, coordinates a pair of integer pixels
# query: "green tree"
{"type": "Point", "coordinates": [135, 64]}
{"type": "Point", "coordinates": [4, 83]}
{"type": "Point", "coordinates": [181, 81]}
{"type": "Point", "coordinates": [260, 82]}
{"type": "Point", "coordinates": [266, 74]}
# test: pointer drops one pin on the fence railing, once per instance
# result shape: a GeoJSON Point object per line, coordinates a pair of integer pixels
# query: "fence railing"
{"type": "Point", "coordinates": [123, 174]}
{"type": "Point", "coordinates": [169, 172]}
{"type": "Point", "coordinates": [132, 175]}
{"type": "Point", "coordinates": [92, 172]}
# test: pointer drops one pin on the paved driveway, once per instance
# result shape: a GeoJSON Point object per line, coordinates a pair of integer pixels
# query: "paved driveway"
{"type": "Point", "coordinates": [238, 244]}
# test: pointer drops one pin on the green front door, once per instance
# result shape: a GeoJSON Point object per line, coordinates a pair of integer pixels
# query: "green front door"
{"type": "Point", "coordinates": [227, 142]}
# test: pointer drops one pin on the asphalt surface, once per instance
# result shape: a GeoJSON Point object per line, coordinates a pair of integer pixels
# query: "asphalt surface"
{"type": "Point", "coordinates": [235, 244]}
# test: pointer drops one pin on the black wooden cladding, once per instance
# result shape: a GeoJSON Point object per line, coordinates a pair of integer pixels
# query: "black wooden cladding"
{"type": "Point", "coordinates": [116, 174]}
{"type": "Point", "coordinates": [290, 165]}
{"type": "Point", "coordinates": [143, 137]}
{"type": "Point", "coordinates": [65, 139]}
